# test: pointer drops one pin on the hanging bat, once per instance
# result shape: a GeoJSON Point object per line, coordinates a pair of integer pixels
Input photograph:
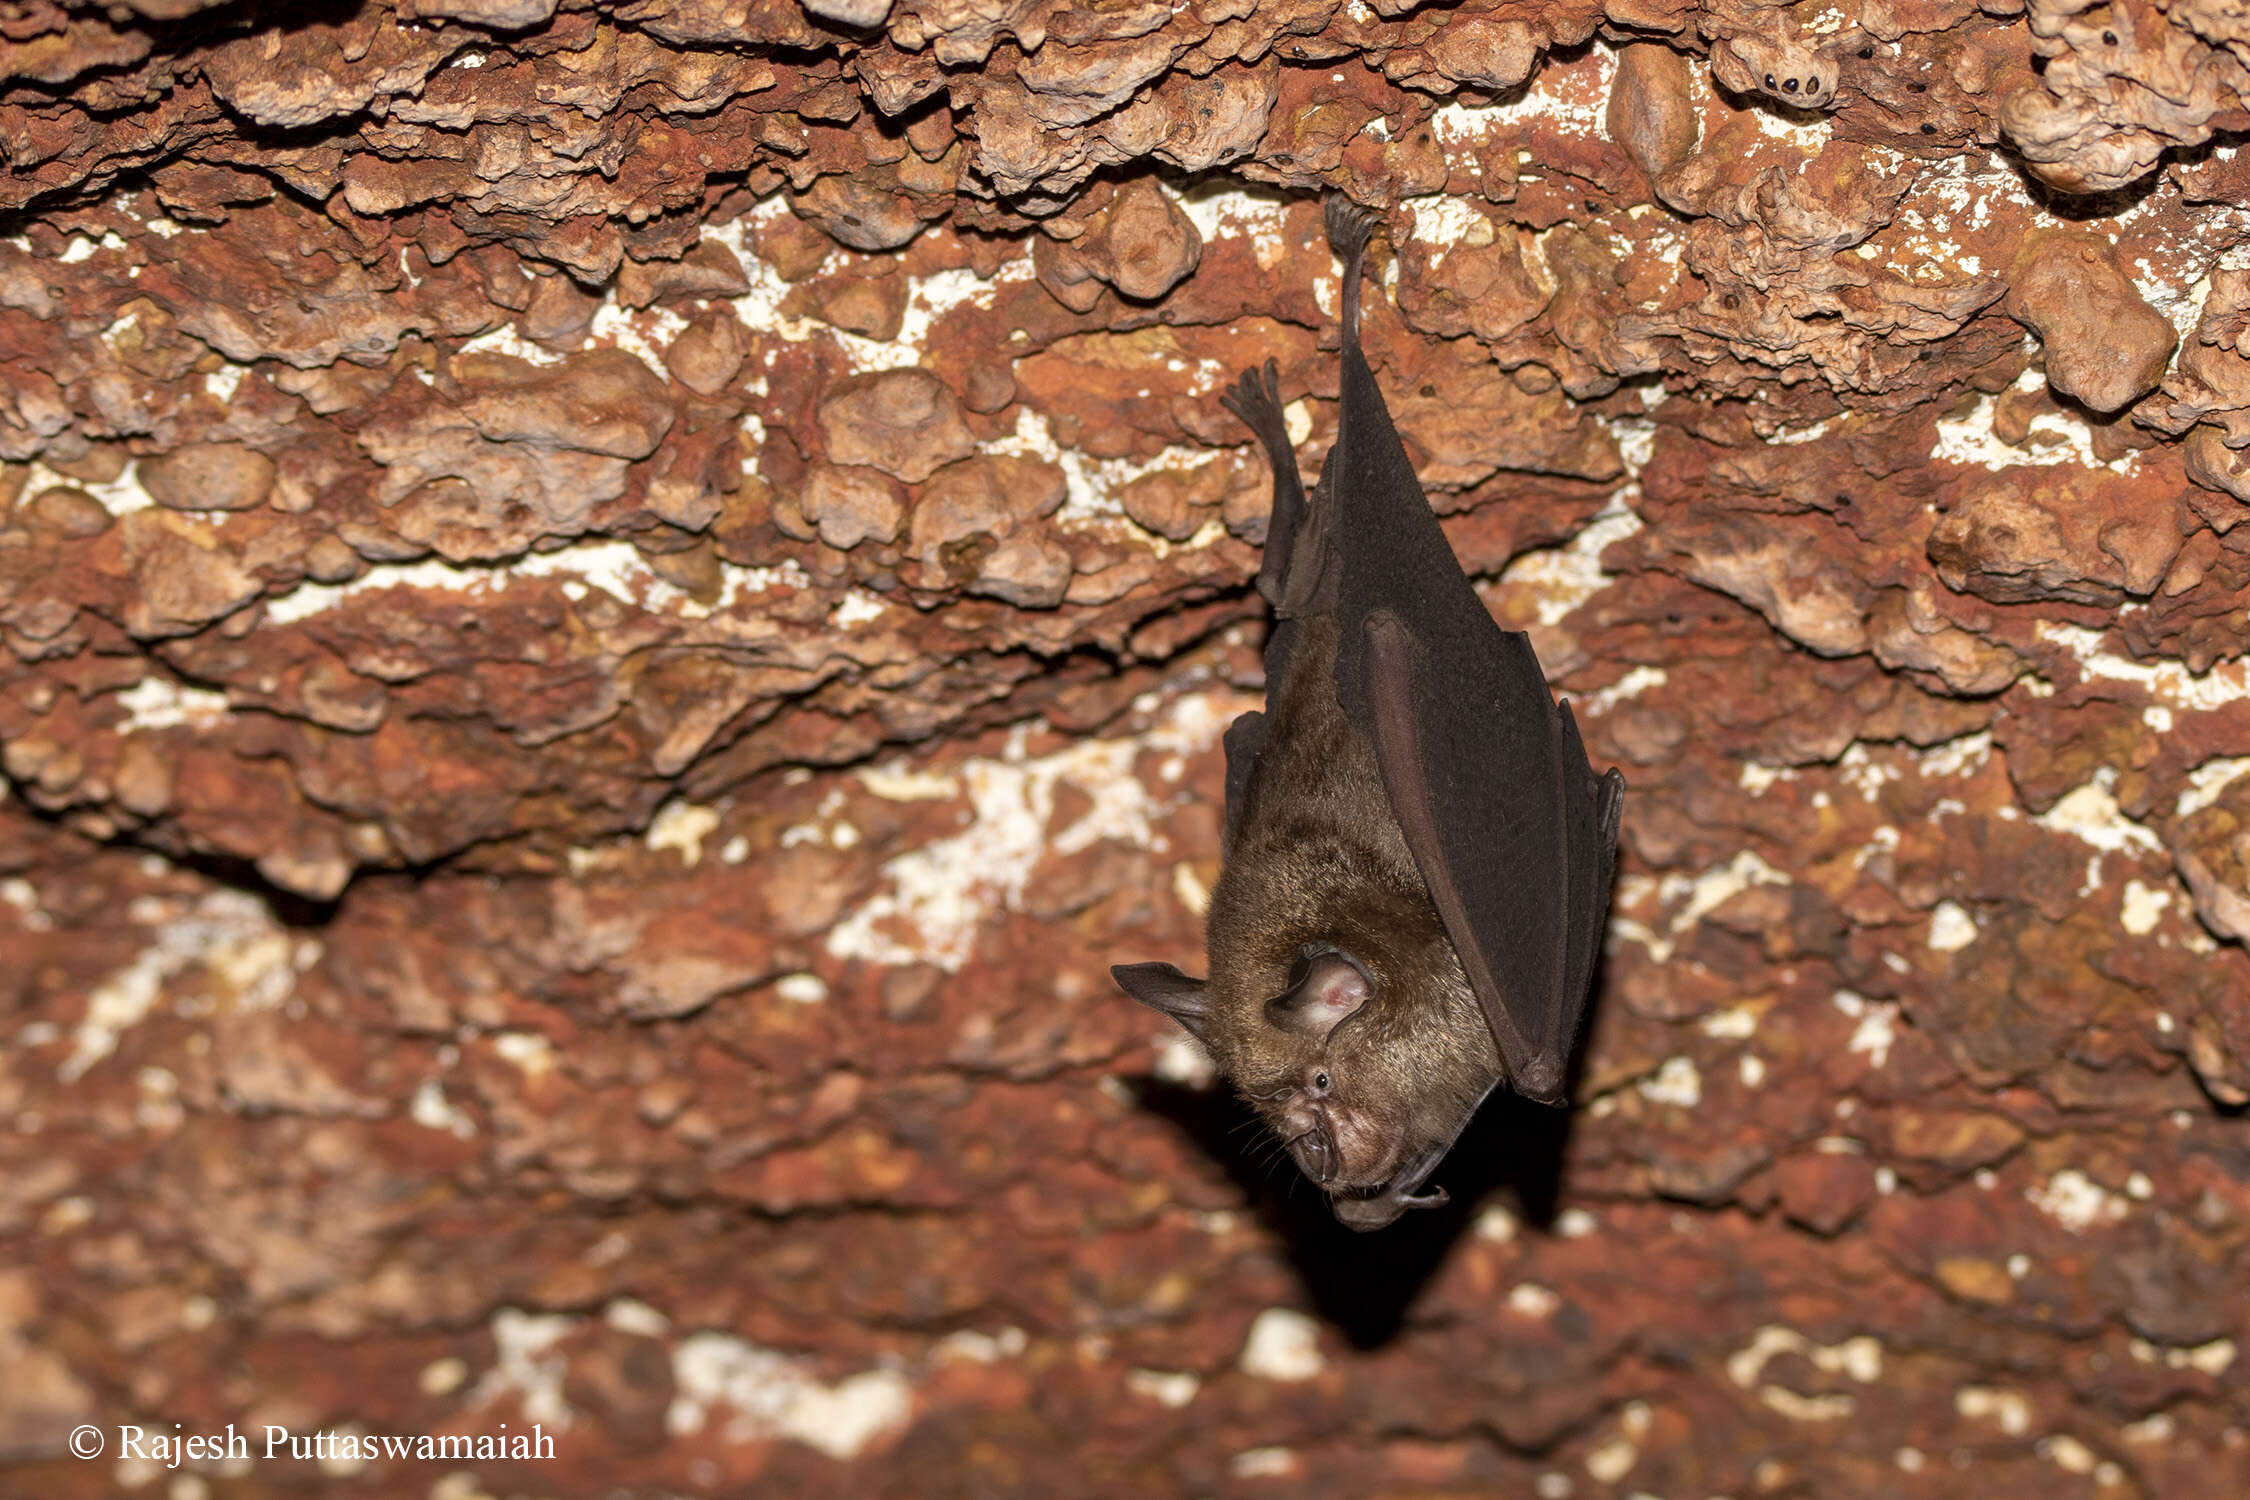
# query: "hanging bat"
{"type": "Point", "coordinates": [1417, 855]}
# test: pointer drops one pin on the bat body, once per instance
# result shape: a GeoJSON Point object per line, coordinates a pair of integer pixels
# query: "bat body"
{"type": "Point", "coordinates": [1417, 857]}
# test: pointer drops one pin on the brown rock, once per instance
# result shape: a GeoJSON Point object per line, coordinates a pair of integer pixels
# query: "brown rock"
{"type": "Point", "coordinates": [502, 452]}
{"type": "Point", "coordinates": [339, 698]}
{"type": "Point", "coordinates": [1960, 1139]}
{"type": "Point", "coordinates": [144, 777]}
{"type": "Point", "coordinates": [1026, 570]}
{"type": "Point", "coordinates": [184, 578]}
{"type": "Point", "coordinates": [603, 401]}
{"type": "Point", "coordinates": [792, 245]}
{"type": "Point", "coordinates": [2056, 532]}
{"type": "Point", "coordinates": [314, 866]}
{"type": "Point", "coordinates": [1477, 284]}
{"type": "Point", "coordinates": [2211, 463]}
{"type": "Point", "coordinates": [859, 212]}
{"type": "Point", "coordinates": [873, 306]}
{"type": "Point", "coordinates": [856, 13]}
{"type": "Point", "coordinates": [559, 312]}
{"type": "Point", "coordinates": [2104, 345]}
{"type": "Point", "coordinates": [1974, 1278]}
{"type": "Point", "coordinates": [1646, 735]}
{"type": "Point", "coordinates": [807, 887]}
{"type": "Point", "coordinates": [45, 1401]}
{"type": "Point", "coordinates": [851, 505]}
{"type": "Point", "coordinates": [991, 494]}
{"type": "Point", "coordinates": [707, 353]}
{"type": "Point", "coordinates": [2212, 846]}
{"type": "Point", "coordinates": [2114, 95]}
{"type": "Point", "coordinates": [1907, 631]}
{"type": "Point", "coordinates": [1486, 53]}
{"type": "Point", "coordinates": [907, 991]}
{"type": "Point", "coordinates": [1649, 112]}
{"type": "Point", "coordinates": [1824, 1191]}
{"type": "Point", "coordinates": [1068, 274]}
{"type": "Point", "coordinates": [975, 527]}
{"type": "Point", "coordinates": [905, 422]}
{"type": "Point", "coordinates": [2211, 382]}
{"type": "Point", "coordinates": [1174, 503]}
{"type": "Point", "coordinates": [69, 512]}
{"type": "Point", "coordinates": [1148, 244]}
{"type": "Point", "coordinates": [2223, 1071]}
{"type": "Point", "coordinates": [625, 1380]}
{"type": "Point", "coordinates": [708, 269]}
{"type": "Point", "coordinates": [331, 559]}
{"type": "Point", "coordinates": [1809, 597]}
{"type": "Point", "coordinates": [1772, 60]}
{"type": "Point", "coordinates": [208, 476]}
{"type": "Point", "coordinates": [92, 463]}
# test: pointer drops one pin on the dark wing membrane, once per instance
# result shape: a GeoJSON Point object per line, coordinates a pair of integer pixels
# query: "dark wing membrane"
{"type": "Point", "coordinates": [1513, 833]}
{"type": "Point", "coordinates": [1256, 399]}
{"type": "Point", "coordinates": [1246, 736]}
{"type": "Point", "coordinates": [1593, 818]}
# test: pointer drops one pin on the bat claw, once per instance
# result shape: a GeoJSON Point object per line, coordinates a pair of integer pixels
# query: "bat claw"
{"type": "Point", "coordinates": [1349, 225]}
{"type": "Point", "coordinates": [1385, 1208]}
{"type": "Point", "coordinates": [1256, 399]}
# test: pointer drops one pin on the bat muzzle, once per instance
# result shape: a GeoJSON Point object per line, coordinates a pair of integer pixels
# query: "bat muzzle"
{"type": "Point", "coordinates": [1316, 1155]}
{"type": "Point", "coordinates": [1387, 1202]}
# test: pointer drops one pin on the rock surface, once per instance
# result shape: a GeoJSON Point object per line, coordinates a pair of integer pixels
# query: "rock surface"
{"type": "Point", "coordinates": [607, 617]}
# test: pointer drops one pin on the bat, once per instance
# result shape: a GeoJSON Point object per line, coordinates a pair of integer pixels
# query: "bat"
{"type": "Point", "coordinates": [1417, 856]}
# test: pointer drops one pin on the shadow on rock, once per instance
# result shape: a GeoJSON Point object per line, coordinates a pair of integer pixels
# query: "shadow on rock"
{"type": "Point", "coordinates": [1365, 1284]}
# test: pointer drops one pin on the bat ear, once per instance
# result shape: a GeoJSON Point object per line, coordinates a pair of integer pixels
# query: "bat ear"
{"type": "Point", "coordinates": [1162, 987]}
{"type": "Point", "coordinates": [1331, 991]}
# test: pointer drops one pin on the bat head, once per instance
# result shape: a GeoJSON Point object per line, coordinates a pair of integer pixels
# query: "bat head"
{"type": "Point", "coordinates": [1364, 1048]}
{"type": "Point", "coordinates": [1361, 1045]}
{"type": "Point", "coordinates": [1293, 1070]}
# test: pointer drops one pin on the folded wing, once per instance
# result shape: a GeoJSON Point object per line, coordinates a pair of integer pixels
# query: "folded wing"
{"type": "Point", "coordinates": [1514, 834]}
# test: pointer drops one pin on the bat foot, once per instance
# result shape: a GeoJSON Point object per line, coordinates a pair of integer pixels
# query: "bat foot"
{"type": "Point", "coordinates": [1387, 1207]}
{"type": "Point", "coordinates": [1256, 399]}
{"type": "Point", "coordinates": [1349, 226]}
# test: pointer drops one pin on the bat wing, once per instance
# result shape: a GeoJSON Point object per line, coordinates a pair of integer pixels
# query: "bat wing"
{"type": "Point", "coordinates": [1246, 736]}
{"type": "Point", "coordinates": [1514, 834]}
{"type": "Point", "coordinates": [1256, 399]}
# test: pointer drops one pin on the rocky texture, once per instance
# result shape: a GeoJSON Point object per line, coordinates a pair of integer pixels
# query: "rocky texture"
{"type": "Point", "coordinates": [606, 617]}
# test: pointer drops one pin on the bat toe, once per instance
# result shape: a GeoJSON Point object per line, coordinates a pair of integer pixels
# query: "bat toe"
{"type": "Point", "coordinates": [1349, 225]}
{"type": "Point", "coordinates": [1384, 1208]}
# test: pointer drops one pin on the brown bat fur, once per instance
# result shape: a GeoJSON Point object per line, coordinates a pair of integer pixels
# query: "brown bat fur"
{"type": "Point", "coordinates": [1337, 1002]}
{"type": "Point", "coordinates": [1319, 859]}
